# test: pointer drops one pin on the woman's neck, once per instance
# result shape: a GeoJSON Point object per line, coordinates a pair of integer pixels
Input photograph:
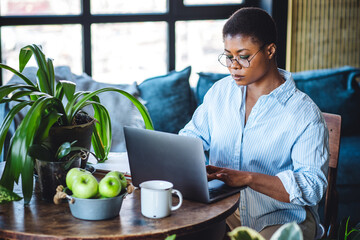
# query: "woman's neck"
{"type": "Point", "coordinates": [264, 86]}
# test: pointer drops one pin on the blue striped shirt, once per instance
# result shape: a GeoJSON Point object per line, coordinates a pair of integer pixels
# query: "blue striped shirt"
{"type": "Point", "coordinates": [285, 136]}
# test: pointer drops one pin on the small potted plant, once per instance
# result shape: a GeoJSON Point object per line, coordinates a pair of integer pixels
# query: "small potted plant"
{"type": "Point", "coordinates": [52, 166]}
{"type": "Point", "coordinates": [48, 112]}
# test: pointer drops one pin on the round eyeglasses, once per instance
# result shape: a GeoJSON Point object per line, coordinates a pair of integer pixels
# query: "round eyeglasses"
{"type": "Point", "coordinates": [243, 61]}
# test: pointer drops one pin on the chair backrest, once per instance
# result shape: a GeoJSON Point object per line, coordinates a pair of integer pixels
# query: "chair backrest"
{"type": "Point", "coordinates": [333, 122]}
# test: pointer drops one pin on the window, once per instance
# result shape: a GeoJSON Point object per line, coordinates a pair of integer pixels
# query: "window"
{"type": "Point", "coordinates": [138, 52]}
{"type": "Point", "coordinates": [39, 7]}
{"type": "Point", "coordinates": [126, 6]}
{"type": "Point", "coordinates": [60, 42]}
{"type": "Point", "coordinates": [117, 41]}
{"type": "Point", "coordinates": [211, 2]}
{"type": "Point", "coordinates": [199, 49]}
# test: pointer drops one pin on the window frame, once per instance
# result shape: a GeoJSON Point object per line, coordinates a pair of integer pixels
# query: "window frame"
{"type": "Point", "coordinates": [177, 11]}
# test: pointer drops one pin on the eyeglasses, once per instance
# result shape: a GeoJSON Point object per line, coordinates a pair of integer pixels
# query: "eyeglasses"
{"type": "Point", "coordinates": [243, 61]}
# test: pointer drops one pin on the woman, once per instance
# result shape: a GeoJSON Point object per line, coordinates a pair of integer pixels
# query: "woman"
{"type": "Point", "coordinates": [262, 132]}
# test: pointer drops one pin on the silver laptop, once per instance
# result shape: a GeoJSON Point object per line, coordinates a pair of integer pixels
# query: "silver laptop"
{"type": "Point", "coordinates": [155, 155]}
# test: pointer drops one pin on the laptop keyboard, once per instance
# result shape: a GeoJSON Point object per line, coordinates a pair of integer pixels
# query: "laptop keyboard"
{"type": "Point", "coordinates": [214, 192]}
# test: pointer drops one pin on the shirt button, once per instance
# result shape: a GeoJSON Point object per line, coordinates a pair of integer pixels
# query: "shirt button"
{"type": "Point", "coordinates": [243, 208]}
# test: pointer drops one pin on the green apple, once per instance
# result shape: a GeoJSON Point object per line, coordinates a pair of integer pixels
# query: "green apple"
{"type": "Point", "coordinates": [109, 186]}
{"type": "Point", "coordinates": [73, 174]}
{"type": "Point", "coordinates": [85, 186]}
{"type": "Point", "coordinates": [120, 176]}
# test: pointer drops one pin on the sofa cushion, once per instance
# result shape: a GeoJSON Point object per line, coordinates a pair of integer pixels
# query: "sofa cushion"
{"type": "Point", "coordinates": [335, 91]}
{"type": "Point", "coordinates": [169, 100]}
{"type": "Point", "coordinates": [206, 80]}
{"type": "Point", "coordinates": [349, 161]}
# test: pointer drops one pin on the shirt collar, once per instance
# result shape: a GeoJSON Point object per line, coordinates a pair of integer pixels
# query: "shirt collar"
{"type": "Point", "coordinates": [285, 90]}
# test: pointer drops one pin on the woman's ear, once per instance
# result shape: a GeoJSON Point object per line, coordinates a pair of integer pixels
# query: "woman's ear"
{"type": "Point", "coordinates": [271, 50]}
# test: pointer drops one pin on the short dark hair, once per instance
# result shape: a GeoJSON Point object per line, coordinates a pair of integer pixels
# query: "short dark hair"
{"type": "Point", "coordinates": [253, 22]}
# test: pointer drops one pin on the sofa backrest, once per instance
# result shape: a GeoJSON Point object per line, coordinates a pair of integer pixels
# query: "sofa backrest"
{"type": "Point", "coordinates": [333, 90]}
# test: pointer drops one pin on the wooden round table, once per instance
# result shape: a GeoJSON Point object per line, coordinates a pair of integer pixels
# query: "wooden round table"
{"type": "Point", "coordinates": [42, 220]}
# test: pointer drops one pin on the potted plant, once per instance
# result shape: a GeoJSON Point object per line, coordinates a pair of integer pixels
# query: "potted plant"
{"type": "Point", "coordinates": [52, 165]}
{"type": "Point", "coordinates": [47, 110]}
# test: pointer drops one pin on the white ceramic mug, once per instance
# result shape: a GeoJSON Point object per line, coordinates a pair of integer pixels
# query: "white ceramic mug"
{"type": "Point", "coordinates": [156, 198]}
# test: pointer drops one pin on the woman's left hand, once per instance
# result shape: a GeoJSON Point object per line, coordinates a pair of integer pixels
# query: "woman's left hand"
{"type": "Point", "coordinates": [231, 177]}
{"type": "Point", "coordinates": [265, 184]}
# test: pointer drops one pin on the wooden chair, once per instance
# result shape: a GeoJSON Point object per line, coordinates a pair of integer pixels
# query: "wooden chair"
{"type": "Point", "coordinates": [333, 122]}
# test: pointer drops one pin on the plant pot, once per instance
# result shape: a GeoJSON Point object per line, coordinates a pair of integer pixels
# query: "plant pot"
{"type": "Point", "coordinates": [53, 174]}
{"type": "Point", "coordinates": [81, 133]}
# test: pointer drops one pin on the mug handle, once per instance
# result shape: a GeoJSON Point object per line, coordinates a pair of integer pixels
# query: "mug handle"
{"type": "Point", "coordinates": [176, 192]}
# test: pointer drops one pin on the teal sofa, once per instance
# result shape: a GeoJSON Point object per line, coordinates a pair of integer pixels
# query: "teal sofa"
{"type": "Point", "coordinates": [171, 102]}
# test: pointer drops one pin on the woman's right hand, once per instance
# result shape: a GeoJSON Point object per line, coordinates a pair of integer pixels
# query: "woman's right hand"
{"type": "Point", "coordinates": [230, 177]}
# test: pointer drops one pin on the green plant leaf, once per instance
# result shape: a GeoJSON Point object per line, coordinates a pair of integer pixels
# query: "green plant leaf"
{"type": "Point", "coordinates": [143, 111]}
{"type": "Point", "coordinates": [44, 80]}
{"type": "Point", "coordinates": [63, 150]}
{"type": "Point", "coordinates": [171, 237]}
{"type": "Point", "coordinates": [20, 75]}
{"type": "Point", "coordinates": [244, 233]}
{"type": "Point", "coordinates": [19, 94]}
{"type": "Point", "coordinates": [7, 89]}
{"type": "Point", "coordinates": [7, 121]}
{"type": "Point", "coordinates": [19, 162]}
{"type": "Point", "coordinates": [47, 121]}
{"type": "Point", "coordinates": [69, 109]}
{"type": "Point", "coordinates": [51, 76]}
{"type": "Point", "coordinates": [69, 89]}
{"type": "Point", "coordinates": [343, 228]}
{"type": "Point", "coordinates": [24, 57]}
{"type": "Point", "coordinates": [101, 138]}
{"type": "Point", "coordinates": [59, 93]}
{"type": "Point", "coordinates": [354, 236]}
{"type": "Point", "coordinates": [8, 196]}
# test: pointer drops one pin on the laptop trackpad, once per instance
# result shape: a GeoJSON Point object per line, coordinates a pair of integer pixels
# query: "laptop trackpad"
{"type": "Point", "coordinates": [217, 188]}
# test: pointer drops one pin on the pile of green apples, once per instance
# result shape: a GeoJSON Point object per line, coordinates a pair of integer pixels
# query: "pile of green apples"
{"type": "Point", "coordinates": [84, 185]}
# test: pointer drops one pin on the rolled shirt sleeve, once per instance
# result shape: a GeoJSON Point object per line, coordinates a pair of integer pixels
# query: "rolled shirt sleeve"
{"type": "Point", "coordinates": [306, 183]}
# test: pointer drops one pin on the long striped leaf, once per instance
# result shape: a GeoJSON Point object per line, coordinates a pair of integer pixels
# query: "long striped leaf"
{"type": "Point", "coordinates": [69, 89]}
{"type": "Point", "coordinates": [24, 57]}
{"type": "Point", "coordinates": [102, 135]}
{"type": "Point", "coordinates": [59, 93]}
{"type": "Point", "coordinates": [47, 122]}
{"type": "Point", "coordinates": [6, 90]}
{"type": "Point", "coordinates": [51, 76]}
{"type": "Point", "coordinates": [69, 109]}
{"type": "Point", "coordinates": [44, 79]}
{"type": "Point", "coordinates": [7, 121]}
{"type": "Point", "coordinates": [103, 130]}
{"type": "Point", "coordinates": [20, 75]}
{"type": "Point", "coordinates": [18, 162]}
{"type": "Point", "coordinates": [143, 111]}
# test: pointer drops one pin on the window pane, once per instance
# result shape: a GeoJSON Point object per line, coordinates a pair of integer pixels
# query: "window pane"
{"type": "Point", "coordinates": [211, 2]}
{"type": "Point", "coordinates": [39, 7]}
{"type": "Point", "coordinates": [198, 44]}
{"type": "Point", "coordinates": [61, 43]}
{"type": "Point", "coordinates": [128, 52]}
{"type": "Point", "coordinates": [126, 6]}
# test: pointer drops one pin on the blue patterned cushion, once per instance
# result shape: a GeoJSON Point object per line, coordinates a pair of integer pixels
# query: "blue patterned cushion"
{"type": "Point", "coordinates": [335, 91]}
{"type": "Point", "coordinates": [206, 80]}
{"type": "Point", "coordinates": [169, 100]}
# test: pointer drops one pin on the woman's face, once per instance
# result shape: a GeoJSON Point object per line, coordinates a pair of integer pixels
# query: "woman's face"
{"type": "Point", "coordinates": [242, 47]}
